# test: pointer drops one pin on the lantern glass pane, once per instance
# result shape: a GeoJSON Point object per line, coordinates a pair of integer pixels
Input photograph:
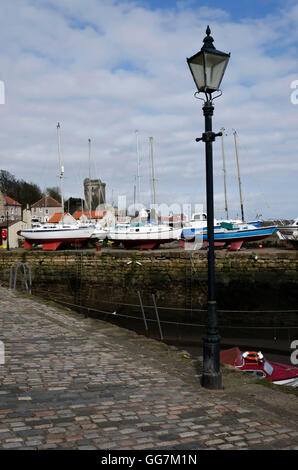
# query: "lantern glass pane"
{"type": "Point", "coordinates": [215, 68]}
{"type": "Point", "coordinates": [197, 68]}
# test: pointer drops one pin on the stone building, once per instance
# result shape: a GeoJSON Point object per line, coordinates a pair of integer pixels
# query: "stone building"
{"type": "Point", "coordinates": [93, 216]}
{"type": "Point", "coordinates": [10, 207]}
{"type": "Point", "coordinates": [98, 193]}
{"type": "Point", "coordinates": [13, 238]}
{"type": "Point", "coordinates": [45, 208]}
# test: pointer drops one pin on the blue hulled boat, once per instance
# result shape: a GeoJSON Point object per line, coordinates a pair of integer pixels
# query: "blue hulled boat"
{"type": "Point", "coordinates": [229, 234]}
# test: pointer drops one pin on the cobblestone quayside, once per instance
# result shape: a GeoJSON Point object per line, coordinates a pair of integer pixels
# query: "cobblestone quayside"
{"type": "Point", "coordinates": [75, 383]}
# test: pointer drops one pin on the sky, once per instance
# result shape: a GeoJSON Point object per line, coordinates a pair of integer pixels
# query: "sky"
{"type": "Point", "coordinates": [104, 69]}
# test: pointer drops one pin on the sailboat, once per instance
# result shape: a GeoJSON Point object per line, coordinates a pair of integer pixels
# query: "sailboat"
{"type": "Point", "coordinates": [53, 236]}
{"type": "Point", "coordinates": [143, 234]}
{"type": "Point", "coordinates": [256, 223]}
{"type": "Point", "coordinates": [100, 232]}
{"type": "Point", "coordinates": [233, 235]}
{"type": "Point", "coordinates": [227, 232]}
{"type": "Point", "coordinates": [289, 234]}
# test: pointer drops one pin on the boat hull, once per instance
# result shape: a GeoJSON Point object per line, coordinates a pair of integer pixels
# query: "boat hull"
{"type": "Point", "coordinates": [53, 239]}
{"type": "Point", "coordinates": [234, 238]}
{"type": "Point", "coordinates": [289, 236]}
{"type": "Point", "coordinates": [144, 244]}
{"type": "Point", "coordinates": [144, 240]}
{"type": "Point", "coordinates": [279, 374]}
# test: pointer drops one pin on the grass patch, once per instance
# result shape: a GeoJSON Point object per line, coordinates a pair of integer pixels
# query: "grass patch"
{"type": "Point", "coordinates": [280, 388]}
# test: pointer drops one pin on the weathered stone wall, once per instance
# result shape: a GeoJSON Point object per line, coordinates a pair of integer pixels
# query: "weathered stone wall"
{"type": "Point", "coordinates": [177, 278]}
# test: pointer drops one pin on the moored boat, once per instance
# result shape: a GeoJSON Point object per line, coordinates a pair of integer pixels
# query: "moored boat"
{"type": "Point", "coordinates": [100, 232]}
{"type": "Point", "coordinates": [143, 235]}
{"type": "Point", "coordinates": [254, 363]}
{"type": "Point", "coordinates": [289, 234]}
{"type": "Point", "coordinates": [232, 235]}
{"type": "Point", "coordinates": [53, 236]}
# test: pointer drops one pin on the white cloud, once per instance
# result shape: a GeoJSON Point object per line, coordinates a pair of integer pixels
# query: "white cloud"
{"type": "Point", "coordinates": [105, 68]}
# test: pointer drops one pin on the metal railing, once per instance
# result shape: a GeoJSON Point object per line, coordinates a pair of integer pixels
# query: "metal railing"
{"type": "Point", "coordinates": [26, 278]}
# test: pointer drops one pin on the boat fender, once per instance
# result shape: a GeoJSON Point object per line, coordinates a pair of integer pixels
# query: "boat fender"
{"type": "Point", "coordinates": [253, 356]}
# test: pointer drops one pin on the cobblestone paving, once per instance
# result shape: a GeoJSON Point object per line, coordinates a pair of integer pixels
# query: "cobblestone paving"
{"type": "Point", "coordinates": [75, 383]}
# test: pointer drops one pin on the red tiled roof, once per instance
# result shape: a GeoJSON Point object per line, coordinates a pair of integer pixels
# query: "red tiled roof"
{"type": "Point", "coordinates": [172, 218]}
{"type": "Point", "coordinates": [56, 218]}
{"type": "Point", "coordinates": [47, 201]}
{"type": "Point", "coordinates": [94, 214]}
{"type": "Point", "coordinates": [12, 202]}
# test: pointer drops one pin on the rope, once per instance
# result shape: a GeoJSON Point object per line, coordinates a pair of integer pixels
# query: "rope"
{"type": "Point", "coordinates": [199, 310]}
{"type": "Point", "coordinates": [89, 309]}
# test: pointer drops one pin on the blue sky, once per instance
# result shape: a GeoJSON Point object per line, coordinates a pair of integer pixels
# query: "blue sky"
{"type": "Point", "coordinates": [105, 68]}
{"type": "Point", "coordinates": [238, 10]}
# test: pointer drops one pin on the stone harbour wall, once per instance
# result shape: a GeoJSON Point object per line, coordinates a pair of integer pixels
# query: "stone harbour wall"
{"type": "Point", "coordinates": [252, 280]}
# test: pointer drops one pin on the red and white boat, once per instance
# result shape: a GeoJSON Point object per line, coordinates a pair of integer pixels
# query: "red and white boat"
{"type": "Point", "coordinates": [143, 235]}
{"type": "Point", "coordinates": [53, 236]}
{"type": "Point", "coordinates": [253, 362]}
{"type": "Point", "coordinates": [289, 234]}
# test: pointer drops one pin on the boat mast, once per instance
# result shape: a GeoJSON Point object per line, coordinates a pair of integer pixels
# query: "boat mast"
{"type": "Point", "coordinates": [239, 180]}
{"type": "Point", "coordinates": [138, 167]}
{"type": "Point", "coordinates": [61, 171]}
{"type": "Point", "coordinates": [153, 175]}
{"type": "Point", "coordinates": [45, 205]}
{"type": "Point", "coordinates": [225, 173]}
{"type": "Point", "coordinates": [90, 195]}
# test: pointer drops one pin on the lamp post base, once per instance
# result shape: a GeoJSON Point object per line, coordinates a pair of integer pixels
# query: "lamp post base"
{"type": "Point", "coordinates": [211, 377]}
{"type": "Point", "coordinates": [212, 381]}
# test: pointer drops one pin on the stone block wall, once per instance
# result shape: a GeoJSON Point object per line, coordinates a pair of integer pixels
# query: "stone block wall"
{"type": "Point", "coordinates": [248, 281]}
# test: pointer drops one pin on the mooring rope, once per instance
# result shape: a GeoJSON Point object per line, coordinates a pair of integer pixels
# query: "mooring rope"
{"type": "Point", "coordinates": [115, 314]}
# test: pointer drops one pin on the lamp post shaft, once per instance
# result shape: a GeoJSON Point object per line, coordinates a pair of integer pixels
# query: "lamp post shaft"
{"type": "Point", "coordinates": [7, 230]}
{"type": "Point", "coordinates": [211, 377]}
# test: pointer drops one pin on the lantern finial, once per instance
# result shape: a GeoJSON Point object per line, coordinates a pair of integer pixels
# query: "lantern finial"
{"type": "Point", "coordinates": [208, 40]}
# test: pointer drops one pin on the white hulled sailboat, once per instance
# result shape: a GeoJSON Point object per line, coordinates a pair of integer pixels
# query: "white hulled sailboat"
{"type": "Point", "coordinates": [53, 236]}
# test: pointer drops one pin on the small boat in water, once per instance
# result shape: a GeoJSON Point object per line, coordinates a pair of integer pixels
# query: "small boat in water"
{"type": "Point", "coordinates": [254, 363]}
{"type": "Point", "coordinates": [227, 234]}
{"type": "Point", "coordinates": [289, 234]}
{"type": "Point", "coordinates": [143, 235]}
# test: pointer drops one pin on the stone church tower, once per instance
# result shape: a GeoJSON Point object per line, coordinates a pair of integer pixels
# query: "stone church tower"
{"type": "Point", "coordinates": [94, 191]}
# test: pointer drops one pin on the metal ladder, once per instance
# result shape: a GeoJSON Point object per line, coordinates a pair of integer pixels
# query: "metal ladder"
{"type": "Point", "coordinates": [26, 279]}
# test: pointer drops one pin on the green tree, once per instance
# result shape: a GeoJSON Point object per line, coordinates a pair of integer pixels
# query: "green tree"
{"type": "Point", "coordinates": [54, 193]}
{"type": "Point", "coordinates": [73, 204]}
{"type": "Point", "coordinates": [19, 190]}
{"type": "Point", "coordinates": [29, 193]}
{"type": "Point", "coordinates": [8, 182]}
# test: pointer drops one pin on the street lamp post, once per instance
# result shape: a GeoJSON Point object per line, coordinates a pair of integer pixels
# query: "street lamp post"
{"type": "Point", "coordinates": [207, 68]}
{"type": "Point", "coordinates": [7, 229]}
